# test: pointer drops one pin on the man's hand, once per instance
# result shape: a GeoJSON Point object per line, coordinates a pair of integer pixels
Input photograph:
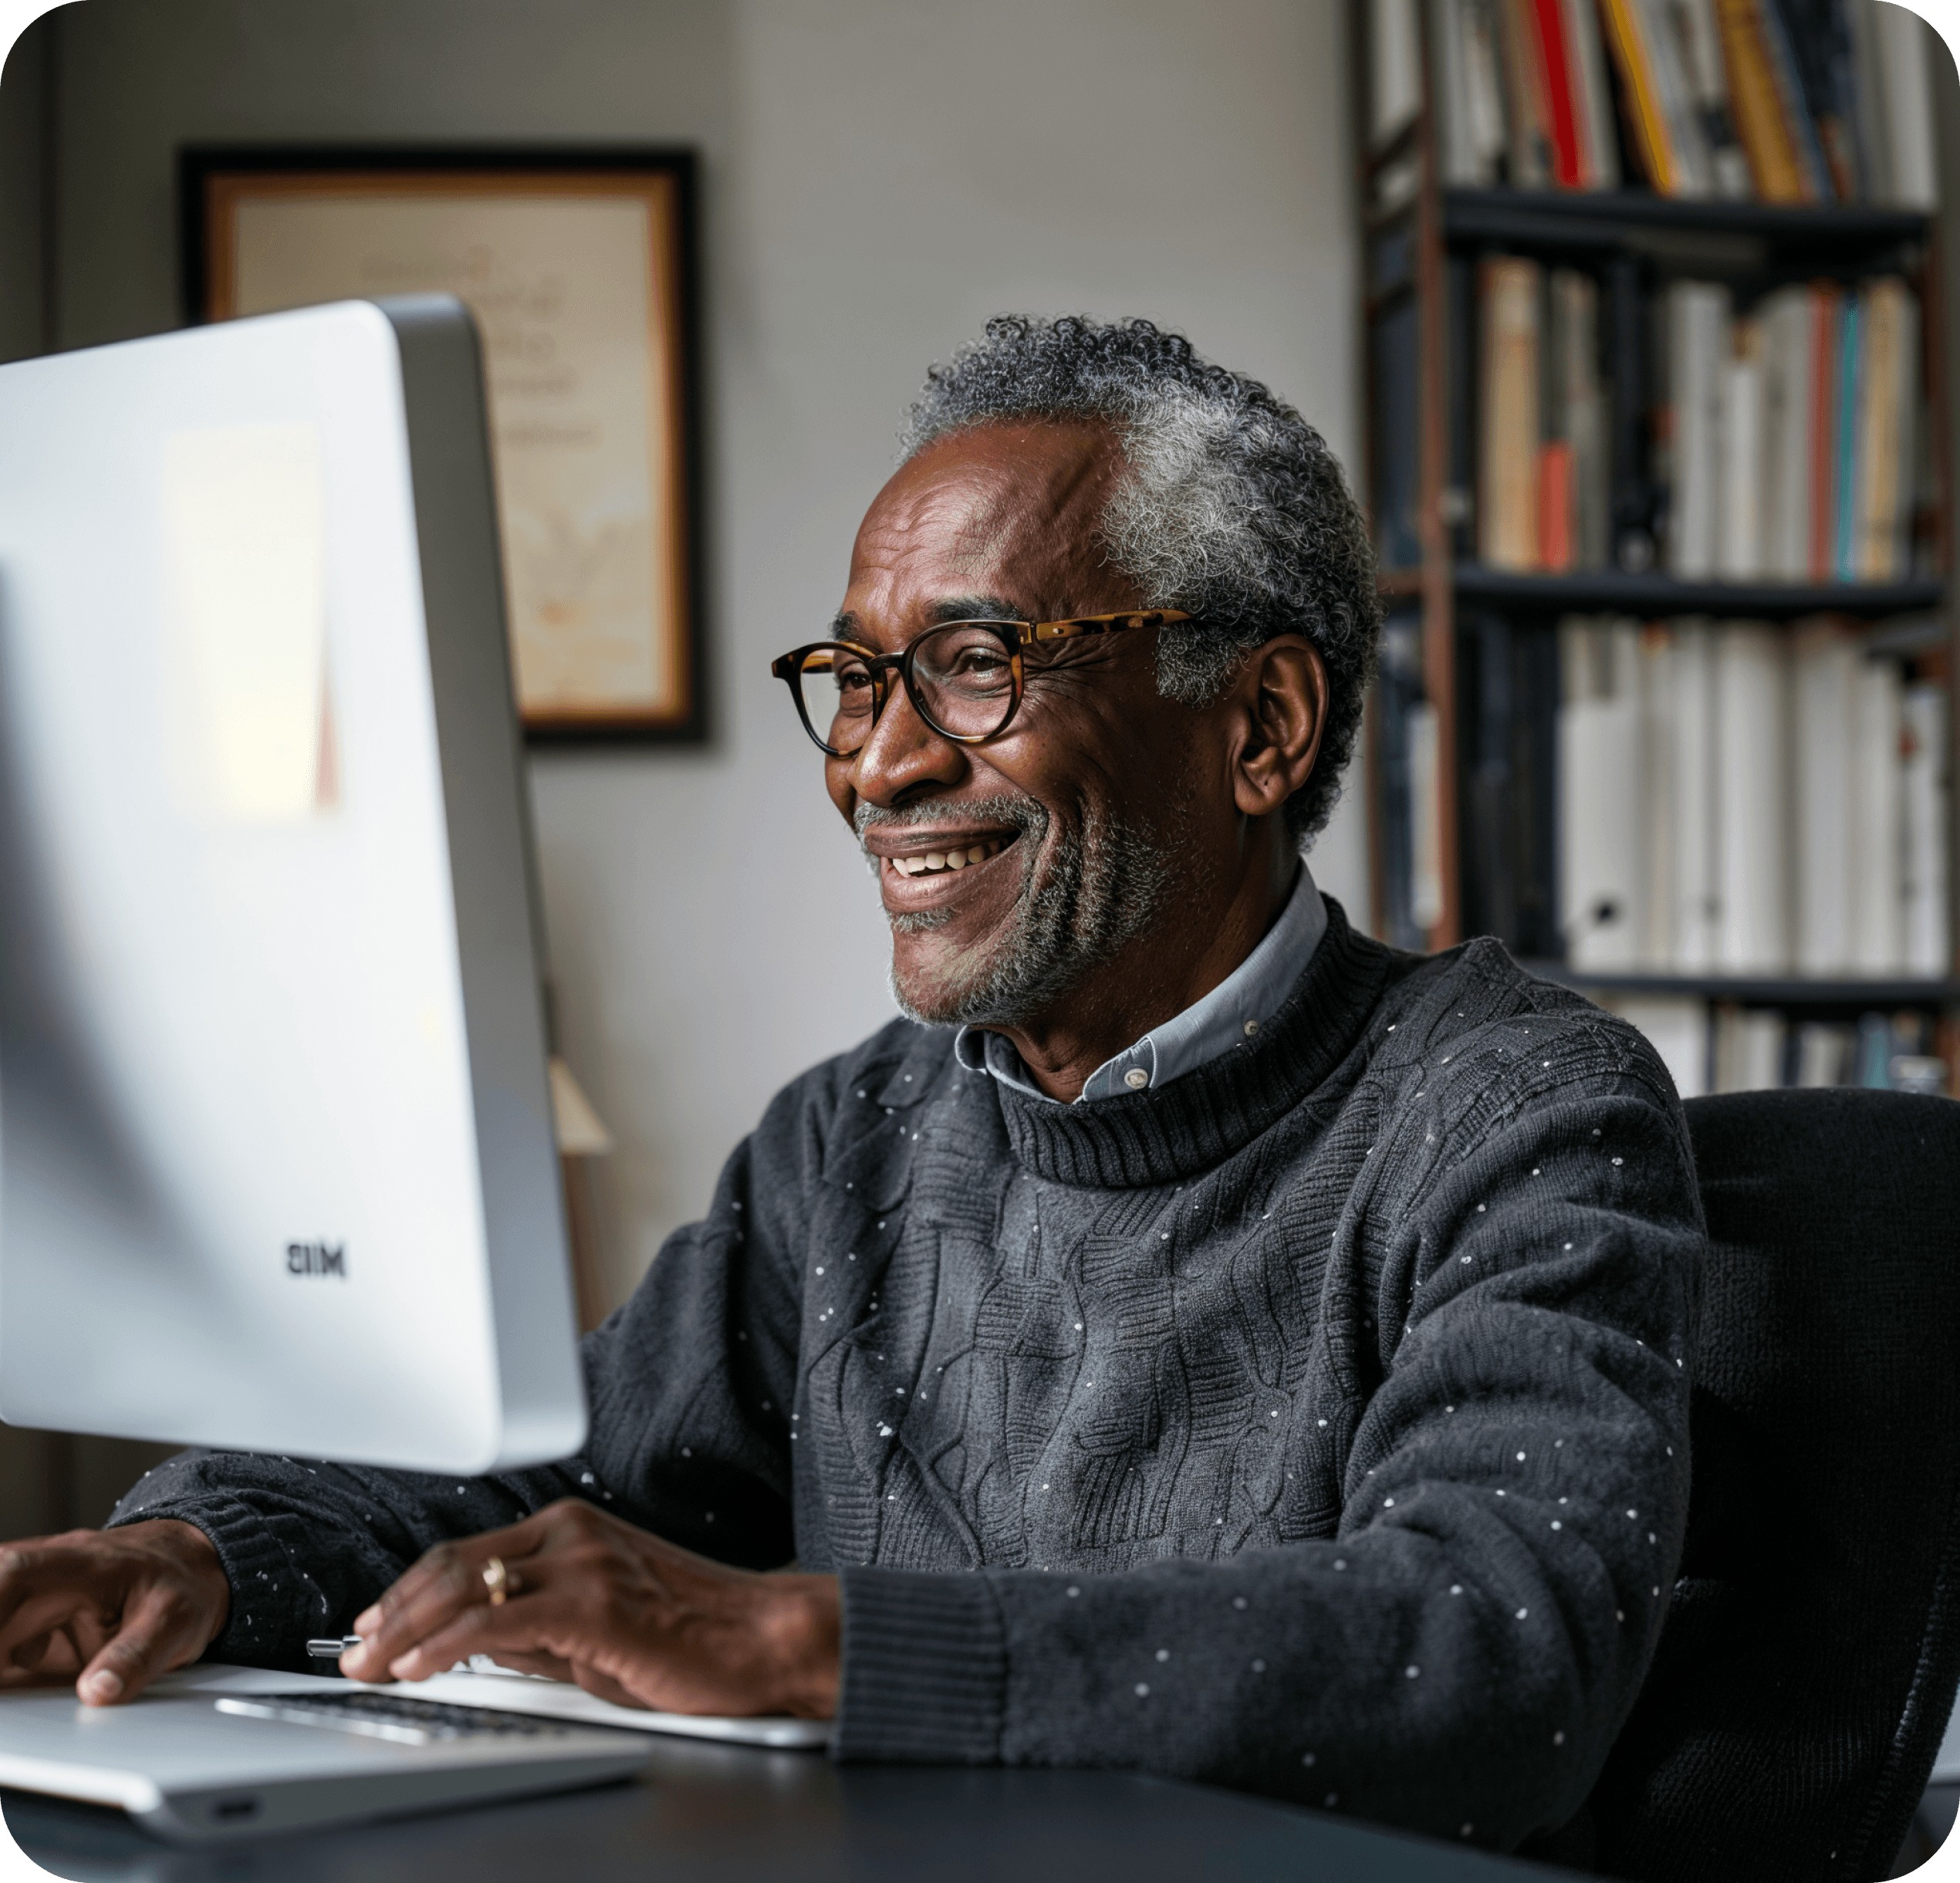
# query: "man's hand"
{"type": "Point", "coordinates": [630, 1618]}
{"type": "Point", "coordinates": [115, 1608]}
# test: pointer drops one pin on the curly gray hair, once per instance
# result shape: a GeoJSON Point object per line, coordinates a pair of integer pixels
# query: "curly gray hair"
{"type": "Point", "coordinates": [1234, 509]}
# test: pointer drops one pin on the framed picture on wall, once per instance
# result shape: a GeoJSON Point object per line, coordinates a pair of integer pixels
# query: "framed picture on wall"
{"type": "Point", "coordinates": [579, 268]}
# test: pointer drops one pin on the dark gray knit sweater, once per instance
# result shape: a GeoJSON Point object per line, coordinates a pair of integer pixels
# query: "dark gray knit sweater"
{"type": "Point", "coordinates": [1316, 1424]}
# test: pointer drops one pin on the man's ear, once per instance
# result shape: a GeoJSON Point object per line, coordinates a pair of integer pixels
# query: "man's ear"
{"type": "Point", "coordinates": [1281, 698]}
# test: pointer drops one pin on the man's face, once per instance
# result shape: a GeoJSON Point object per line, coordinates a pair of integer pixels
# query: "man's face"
{"type": "Point", "coordinates": [1051, 847]}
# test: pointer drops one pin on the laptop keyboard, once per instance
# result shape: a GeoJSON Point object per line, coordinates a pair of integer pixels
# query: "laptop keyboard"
{"type": "Point", "coordinates": [406, 1721]}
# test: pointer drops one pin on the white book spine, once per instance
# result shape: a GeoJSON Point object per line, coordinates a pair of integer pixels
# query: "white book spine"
{"type": "Point", "coordinates": [1742, 444]}
{"type": "Point", "coordinates": [1826, 662]}
{"type": "Point", "coordinates": [1906, 57]}
{"type": "Point", "coordinates": [1697, 906]}
{"type": "Point", "coordinates": [1659, 812]}
{"type": "Point", "coordinates": [1425, 818]}
{"type": "Point", "coordinates": [1598, 798]}
{"type": "Point", "coordinates": [1752, 799]}
{"type": "Point", "coordinates": [1877, 835]}
{"type": "Point", "coordinates": [1697, 344]}
{"type": "Point", "coordinates": [1927, 794]}
{"type": "Point", "coordinates": [1787, 317]}
{"type": "Point", "coordinates": [1601, 144]}
{"type": "Point", "coordinates": [1667, 52]}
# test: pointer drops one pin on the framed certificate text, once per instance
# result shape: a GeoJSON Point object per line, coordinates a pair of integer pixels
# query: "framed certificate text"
{"type": "Point", "coordinates": [577, 266]}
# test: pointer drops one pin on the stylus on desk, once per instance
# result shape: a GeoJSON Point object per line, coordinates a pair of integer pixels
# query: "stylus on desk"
{"type": "Point", "coordinates": [326, 1652]}
{"type": "Point", "coordinates": [330, 1649]}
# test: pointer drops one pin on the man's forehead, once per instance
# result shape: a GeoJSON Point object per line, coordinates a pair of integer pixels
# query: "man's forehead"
{"type": "Point", "coordinates": [999, 501]}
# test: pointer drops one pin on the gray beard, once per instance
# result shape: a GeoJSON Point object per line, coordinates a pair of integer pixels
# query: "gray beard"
{"type": "Point", "coordinates": [1103, 886]}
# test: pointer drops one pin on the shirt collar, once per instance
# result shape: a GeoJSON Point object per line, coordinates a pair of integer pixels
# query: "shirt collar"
{"type": "Point", "coordinates": [1233, 1012]}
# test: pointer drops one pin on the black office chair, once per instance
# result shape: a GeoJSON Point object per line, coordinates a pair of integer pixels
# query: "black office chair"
{"type": "Point", "coordinates": [1809, 1662]}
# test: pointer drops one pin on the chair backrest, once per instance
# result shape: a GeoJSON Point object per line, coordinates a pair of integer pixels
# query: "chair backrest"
{"type": "Point", "coordinates": [1809, 1661]}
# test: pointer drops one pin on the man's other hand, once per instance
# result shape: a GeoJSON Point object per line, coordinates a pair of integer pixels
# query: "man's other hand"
{"type": "Point", "coordinates": [631, 1619]}
{"type": "Point", "coordinates": [110, 1610]}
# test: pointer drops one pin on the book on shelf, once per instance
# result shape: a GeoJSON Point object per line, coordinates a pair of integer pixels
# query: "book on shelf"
{"type": "Point", "coordinates": [1718, 1045]}
{"type": "Point", "coordinates": [1789, 101]}
{"type": "Point", "coordinates": [1878, 805]}
{"type": "Point", "coordinates": [1577, 423]}
{"type": "Point", "coordinates": [1507, 716]}
{"type": "Point", "coordinates": [1900, 128]}
{"type": "Point", "coordinates": [1683, 881]}
{"type": "Point", "coordinates": [1925, 794]}
{"type": "Point", "coordinates": [1544, 501]}
{"type": "Point", "coordinates": [1789, 448]}
{"type": "Point", "coordinates": [1508, 501]}
{"type": "Point", "coordinates": [1601, 786]}
{"type": "Point", "coordinates": [1697, 349]}
{"type": "Point", "coordinates": [1825, 658]}
{"type": "Point", "coordinates": [1735, 800]}
{"type": "Point", "coordinates": [1394, 421]}
{"type": "Point", "coordinates": [1410, 843]}
{"type": "Point", "coordinates": [1750, 827]}
{"type": "Point", "coordinates": [1764, 103]}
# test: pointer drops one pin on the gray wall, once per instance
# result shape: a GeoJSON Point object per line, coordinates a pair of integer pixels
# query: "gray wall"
{"type": "Point", "coordinates": [879, 177]}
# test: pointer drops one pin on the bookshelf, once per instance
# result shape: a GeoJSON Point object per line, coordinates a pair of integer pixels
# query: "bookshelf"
{"type": "Point", "coordinates": [1423, 242]}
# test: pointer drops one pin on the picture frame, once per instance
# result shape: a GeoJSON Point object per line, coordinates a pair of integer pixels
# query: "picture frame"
{"type": "Point", "coordinates": [579, 265]}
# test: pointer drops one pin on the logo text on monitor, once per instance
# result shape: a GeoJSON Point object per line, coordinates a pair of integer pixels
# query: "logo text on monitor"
{"type": "Point", "coordinates": [316, 1259]}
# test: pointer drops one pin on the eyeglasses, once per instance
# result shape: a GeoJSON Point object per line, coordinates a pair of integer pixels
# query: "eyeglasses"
{"type": "Point", "coordinates": [964, 678]}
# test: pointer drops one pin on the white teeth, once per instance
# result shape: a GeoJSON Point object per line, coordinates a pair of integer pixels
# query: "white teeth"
{"type": "Point", "coordinates": [935, 860]}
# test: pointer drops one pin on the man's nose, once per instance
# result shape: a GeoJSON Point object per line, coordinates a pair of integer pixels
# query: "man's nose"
{"type": "Point", "coordinates": [904, 753]}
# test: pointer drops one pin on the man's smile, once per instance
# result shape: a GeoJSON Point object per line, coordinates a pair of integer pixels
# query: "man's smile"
{"type": "Point", "coordinates": [917, 855]}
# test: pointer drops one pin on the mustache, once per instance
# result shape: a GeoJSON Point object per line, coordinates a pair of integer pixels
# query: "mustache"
{"type": "Point", "coordinates": [1026, 816]}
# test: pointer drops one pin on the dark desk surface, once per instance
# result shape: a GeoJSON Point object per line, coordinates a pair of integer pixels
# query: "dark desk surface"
{"type": "Point", "coordinates": [727, 1814]}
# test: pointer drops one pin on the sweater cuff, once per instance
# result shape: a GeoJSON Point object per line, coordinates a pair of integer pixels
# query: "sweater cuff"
{"type": "Point", "coordinates": [266, 1604]}
{"type": "Point", "coordinates": [924, 1677]}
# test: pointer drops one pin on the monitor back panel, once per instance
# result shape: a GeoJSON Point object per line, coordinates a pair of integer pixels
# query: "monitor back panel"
{"type": "Point", "coordinates": [276, 1169]}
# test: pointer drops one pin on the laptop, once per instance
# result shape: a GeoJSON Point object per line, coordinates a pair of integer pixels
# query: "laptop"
{"type": "Point", "coordinates": [212, 1754]}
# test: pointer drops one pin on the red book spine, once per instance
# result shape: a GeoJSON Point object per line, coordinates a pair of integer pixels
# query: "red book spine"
{"type": "Point", "coordinates": [1567, 166]}
{"type": "Point", "coordinates": [1555, 496]}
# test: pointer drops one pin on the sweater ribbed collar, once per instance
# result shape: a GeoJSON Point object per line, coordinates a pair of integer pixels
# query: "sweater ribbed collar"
{"type": "Point", "coordinates": [1139, 1139]}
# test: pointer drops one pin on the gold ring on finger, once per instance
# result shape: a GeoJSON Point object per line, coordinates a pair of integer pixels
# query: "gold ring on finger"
{"type": "Point", "coordinates": [499, 1580]}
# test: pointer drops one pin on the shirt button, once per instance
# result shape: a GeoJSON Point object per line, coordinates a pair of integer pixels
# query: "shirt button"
{"type": "Point", "coordinates": [1136, 1078]}
{"type": "Point", "coordinates": [1252, 1027]}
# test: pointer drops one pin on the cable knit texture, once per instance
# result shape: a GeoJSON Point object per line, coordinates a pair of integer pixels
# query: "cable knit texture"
{"type": "Point", "coordinates": [1316, 1424]}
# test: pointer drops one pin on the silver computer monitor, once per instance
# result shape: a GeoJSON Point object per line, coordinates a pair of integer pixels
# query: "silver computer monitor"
{"type": "Point", "coordinates": [276, 1165]}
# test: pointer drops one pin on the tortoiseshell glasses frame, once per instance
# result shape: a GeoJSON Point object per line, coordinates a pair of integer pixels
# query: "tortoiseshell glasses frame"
{"type": "Point", "coordinates": [964, 678]}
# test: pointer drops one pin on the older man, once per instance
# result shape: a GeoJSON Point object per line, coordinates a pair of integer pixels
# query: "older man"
{"type": "Point", "coordinates": [1195, 1338]}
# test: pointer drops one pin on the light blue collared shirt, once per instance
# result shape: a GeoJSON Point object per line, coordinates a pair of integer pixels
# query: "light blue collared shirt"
{"type": "Point", "coordinates": [1232, 1012]}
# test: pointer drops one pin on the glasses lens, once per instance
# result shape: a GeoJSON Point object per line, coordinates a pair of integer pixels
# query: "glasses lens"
{"type": "Point", "coordinates": [965, 674]}
{"type": "Point", "coordinates": [838, 698]}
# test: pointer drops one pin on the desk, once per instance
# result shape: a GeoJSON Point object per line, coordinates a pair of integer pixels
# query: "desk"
{"type": "Point", "coordinates": [728, 1814]}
